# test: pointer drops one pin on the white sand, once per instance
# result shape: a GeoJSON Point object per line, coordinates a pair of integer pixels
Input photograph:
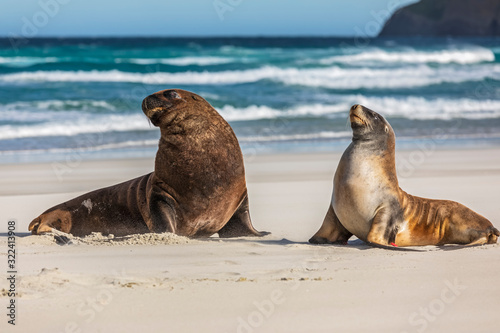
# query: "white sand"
{"type": "Point", "coordinates": [279, 283]}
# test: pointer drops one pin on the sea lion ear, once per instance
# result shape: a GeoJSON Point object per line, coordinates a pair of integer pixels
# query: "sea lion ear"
{"type": "Point", "coordinates": [387, 129]}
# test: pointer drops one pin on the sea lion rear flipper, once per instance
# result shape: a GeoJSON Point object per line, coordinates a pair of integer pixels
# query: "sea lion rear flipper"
{"type": "Point", "coordinates": [332, 231]}
{"type": "Point", "coordinates": [481, 237]}
{"type": "Point", "coordinates": [55, 219]}
{"type": "Point", "coordinates": [240, 223]}
{"type": "Point", "coordinates": [493, 236]}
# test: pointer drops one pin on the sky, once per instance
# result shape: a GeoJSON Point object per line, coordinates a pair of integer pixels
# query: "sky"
{"type": "Point", "coordinates": [42, 18]}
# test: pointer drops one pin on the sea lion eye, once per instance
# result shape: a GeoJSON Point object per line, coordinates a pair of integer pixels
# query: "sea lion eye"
{"type": "Point", "coordinates": [194, 97]}
{"type": "Point", "coordinates": [171, 94]}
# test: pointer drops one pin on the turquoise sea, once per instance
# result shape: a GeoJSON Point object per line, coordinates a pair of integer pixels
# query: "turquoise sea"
{"type": "Point", "coordinates": [61, 96]}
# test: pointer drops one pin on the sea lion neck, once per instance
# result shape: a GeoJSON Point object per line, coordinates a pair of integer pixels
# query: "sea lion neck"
{"type": "Point", "coordinates": [374, 144]}
{"type": "Point", "coordinates": [383, 149]}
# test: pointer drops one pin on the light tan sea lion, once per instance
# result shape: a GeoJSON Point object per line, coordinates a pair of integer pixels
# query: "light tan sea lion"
{"type": "Point", "coordinates": [367, 201]}
{"type": "Point", "coordinates": [198, 186]}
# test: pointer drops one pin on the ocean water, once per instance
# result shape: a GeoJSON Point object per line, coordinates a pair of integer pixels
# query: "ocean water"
{"type": "Point", "coordinates": [64, 97]}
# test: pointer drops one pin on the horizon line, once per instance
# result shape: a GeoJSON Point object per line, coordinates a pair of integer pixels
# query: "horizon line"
{"type": "Point", "coordinates": [186, 36]}
{"type": "Point", "coordinates": [241, 37]}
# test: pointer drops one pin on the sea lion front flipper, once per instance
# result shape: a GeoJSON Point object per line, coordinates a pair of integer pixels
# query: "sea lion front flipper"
{"type": "Point", "coordinates": [331, 231]}
{"type": "Point", "coordinates": [162, 217]}
{"type": "Point", "coordinates": [240, 223]}
{"type": "Point", "coordinates": [382, 230]}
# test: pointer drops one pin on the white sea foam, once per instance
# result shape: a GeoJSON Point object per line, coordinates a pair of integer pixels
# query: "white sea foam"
{"type": "Point", "coordinates": [224, 77]}
{"type": "Point", "coordinates": [180, 61]}
{"type": "Point", "coordinates": [85, 104]}
{"type": "Point", "coordinates": [466, 56]}
{"type": "Point", "coordinates": [26, 61]}
{"type": "Point", "coordinates": [408, 77]}
{"type": "Point", "coordinates": [329, 77]}
{"type": "Point", "coordinates": [439, 108]}
{"type": "Point", "coordinates": [255, 112]}
{"type": "Point", "coordinates": [107, 146]}
{"type": "Point", "coordinates": [296, 137]}
{"type": "Point", "coordinates": [407, 107]}
{"type": "Point", "coordinates": [85, 123]}
{"type": "Point", "coordinates": [200, 61]}
{"type": "Point", "coordinates": [82, 123]}
{"type": "Point", "coordinates": [19, 61]}
{"type": "Point", "coordinates": [35, 111]}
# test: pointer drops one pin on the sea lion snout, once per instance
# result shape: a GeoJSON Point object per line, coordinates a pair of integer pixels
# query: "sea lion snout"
{"type": "Point", "coordinates": [155, 105]}
{"type": "Point", "coordinates": [357, 115]}
{"type": "Point", "coordinates": [368, 121]}
{"type": "Point", "coordinates": [153, 102]}
{"type": "Point", "coordinates": [361, 111]}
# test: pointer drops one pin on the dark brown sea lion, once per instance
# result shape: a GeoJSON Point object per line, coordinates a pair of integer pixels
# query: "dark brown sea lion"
{"type": "Point", "coordinates": [367, 201]}
{"type": "Point", "coordinates": [197, 189]}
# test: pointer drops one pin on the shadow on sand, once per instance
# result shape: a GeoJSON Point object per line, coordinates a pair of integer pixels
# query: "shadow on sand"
{"type": "Point", "coordinates": [356, 244]}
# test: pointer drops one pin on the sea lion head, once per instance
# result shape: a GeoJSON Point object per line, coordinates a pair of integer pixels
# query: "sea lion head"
{"type": "Point", "coordinates": [167, 106]}
{"type": "Point", "coordinates": [368, 125]}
